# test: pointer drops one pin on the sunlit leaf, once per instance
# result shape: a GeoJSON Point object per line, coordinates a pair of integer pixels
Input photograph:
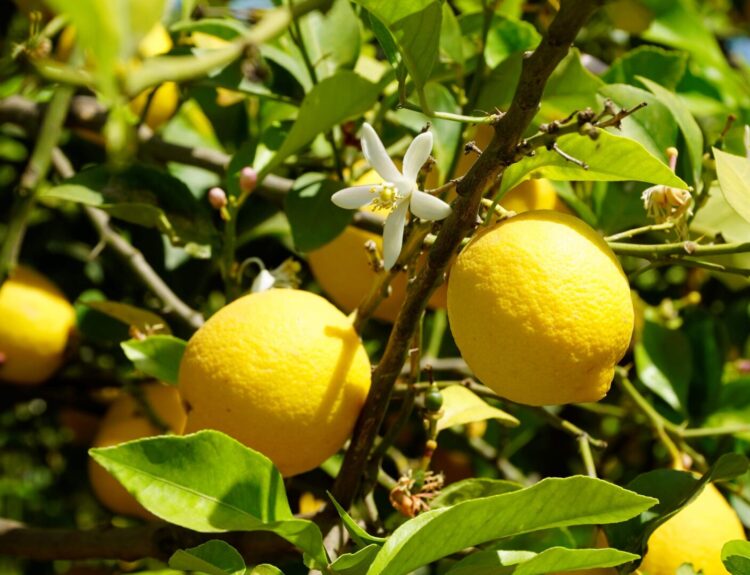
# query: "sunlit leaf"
{"type": "Point", "coordinates": [158, 356]}
{"type": "Point", "coordinates": [462, 406]}
{"type": "Point", "coordinates": [213, 557]}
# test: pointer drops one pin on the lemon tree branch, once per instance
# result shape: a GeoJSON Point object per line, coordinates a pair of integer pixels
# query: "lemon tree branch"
{"type": "Point", "coordinates": [501, 152]}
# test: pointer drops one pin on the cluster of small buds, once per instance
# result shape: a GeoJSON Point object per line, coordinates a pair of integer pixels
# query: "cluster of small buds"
{"type": "Point", "coordinates": [669, 204]}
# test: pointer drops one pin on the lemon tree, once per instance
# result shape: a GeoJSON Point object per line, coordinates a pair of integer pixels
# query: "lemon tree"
{"type": "Point", "coordinates": [363, 287]}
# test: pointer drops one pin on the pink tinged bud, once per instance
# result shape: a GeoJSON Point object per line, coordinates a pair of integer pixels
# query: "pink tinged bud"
{"type": "Point", "coordinates": [217, 198]}
{"type": "Point", "coordinates": [248, 179]}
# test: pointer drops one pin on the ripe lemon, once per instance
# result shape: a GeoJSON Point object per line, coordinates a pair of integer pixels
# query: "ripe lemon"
{"type": "Point", "coordinates": [281, 371]}
{"type": "Point", "coordinates": [695, 535]}
{"type": "Point", "coordinates": [36, 323]}
{"type": "Point", "coordinates": [125, 421]}
{"type": "Point", "coordinates": [167, 96]}
{"type": "Point", "coordinates": [540, 309]}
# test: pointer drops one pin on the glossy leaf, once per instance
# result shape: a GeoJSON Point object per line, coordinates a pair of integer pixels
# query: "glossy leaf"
{"type": "Point", "coordinates": [652, 126]}
{"type": "Point", "coordinates": [451, 41]}
{"type": "Point", "coordinates": [550, 503]}
{"type": "Point", "coordinates": [143, 320]}
{"type": "Point", "coordinates": [733, 408]}
{"type": "Point", "coordinates": [415, 27]}
{"type": "Point", "coordinates": [663, 66]}
{"type": "Point", "coordinates": [691, 131]}
{"type": "Point", "coordinates": [736, 557]}
{"type": "Point", "coordinates": [570, 87]}
{"type": "Point", "coordinates": [356, 563]}
{"type": "Point", "coordinates": [313, 217]}
{"type": "Point", "coordinates": [353, 96]}
{"type": "Point", "coordinates": [610, 158]}
{"type": "Point", "coordinates": [554, 559]}
{"type": "Point", "coordinates": [734, 178]}
{"type": "Point", "coordinates": [213, 557]}
{"type": "Point", "coordinates": [175, 478]}
{"type": "Point", "coordinates": [332, 39]}
{"type": "Point", "coordinates": [158, 356]}
{"type": "Point", "coordinates": [462, 406]}
{"type": "Point", "coordinates": [473, 488]}
{"type": "Point", "coordinates": [358, 535]}
{"type": "Point", "coordinates": [145, 196]}
{"type": "Point", "coordinates": [507, 37]}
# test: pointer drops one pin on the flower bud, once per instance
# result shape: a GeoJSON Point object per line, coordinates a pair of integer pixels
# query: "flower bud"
{"type": "Point", "coordinates": [248, 179]}
{"type": "Point", "coordinates": [217, 198]}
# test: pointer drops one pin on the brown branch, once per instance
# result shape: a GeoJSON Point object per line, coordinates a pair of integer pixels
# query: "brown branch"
{"type": "Point", "coordinates": [157, 540]}
{"type": "Point", "coordinates": [488, 168]}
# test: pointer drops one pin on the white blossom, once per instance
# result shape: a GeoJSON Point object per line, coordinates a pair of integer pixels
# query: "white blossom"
{"type": "Point", "coordinates": [398, 194]}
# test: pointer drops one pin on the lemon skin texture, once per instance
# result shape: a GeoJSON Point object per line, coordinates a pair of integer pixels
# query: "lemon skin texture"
{"type": "Point", "coordinates": [281, 371]}
{"type": "Point", "coordinates": [125, 421]}
{"type": "Point", "coordinates": [540, 309]}
{"type": "Point", "coordinates": [695, 535]}
{"type": "Point", "coordinates": [35, 324]}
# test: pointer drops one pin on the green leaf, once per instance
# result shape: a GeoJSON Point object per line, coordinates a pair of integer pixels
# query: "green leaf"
{"type": "Point", "coordinates": [265, 569]}
{"type": "Point", "coordinates": [550, 503]}
{"type": "Point", "coordinates": [552, 560]}
{"type": "Point", "coordinates": [313, 217]}
{"type": "Point", "coordinates": [691, 131]}
{"type": "Point", "coordinates": [736, 557]}
{"type": "Point", "coordinates": [663, 360]}
{"type": "Point", "coordinates": [462, 406]}
{"type": "Point", "coordinates": [473, 488]}
{"type": "Point", "coordinates": [213, 557]}
{"type": "Point", "coordinates": [158, 356]}
{"type": "Point", "coordinates": [507, 37]}
{"type": "Point", "coordinates": [143, 320]}
{"type": "Point", "coordinates": [652, 126]}
{"type": "Point", "coordinates": [451, 41]}
{"type": "Point", "coordinates": [734, 407]}
{"type": "Point", "coordinates": [144, 196]}
{"type": "Point", "coordinates": [176, 479]}
{"type": "Point", "coordinates": [359, 535]}
{"type": "Point", "coordinates": [610, 158]}
{"type": "Point", "coordinates": [353, 96]}
{"type": "Point", "coordinates": [663, 66]}
{"type": "Point", "coordinates": [415, 28]}
{"type": "Point", "coordinates": [356, 563]}
{"type": "Point", "coordinates": [734, 178]}
{"type": "Point", "coordinates": [673, 490]}
{"type": "Point", "coordinates": [570, 87]}
{"type": "Point", "coordinates": [332, 39]}
{"type": "Point", "coordinates": [446, 133]}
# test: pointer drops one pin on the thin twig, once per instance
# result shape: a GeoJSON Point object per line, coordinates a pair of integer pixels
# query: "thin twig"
{"type": "Point", "coordinates": [627, 234]}
{"type": "Point", "coordinates": [132, 256]}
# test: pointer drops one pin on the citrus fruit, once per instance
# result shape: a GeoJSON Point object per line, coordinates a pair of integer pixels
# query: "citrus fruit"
{"type": "Point", "coordinates": [534, 194]}
{"type": "Point", "coordinates": [125, 420]}
{"type": "Point", "coordinates": [540, 309]}
{"type": "Point", "coordinates": [281, 371]}
{"type": "Point", "coordinates": [343, 270]}
{"type": "Point", "coordinates": [36, 323]}
{"type": "Point", "coordinates": [694, 535]}
{"type": "Point", "coordinates": [165, 99]}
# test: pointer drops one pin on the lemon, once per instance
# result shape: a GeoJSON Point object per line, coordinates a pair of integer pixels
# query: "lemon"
{"type": "Point", "coordinates": [540, 309]}
{"type": "Point", "coordinates": [695, 535]}
{"type": "Point", "coordinates": [36, 323]}
{"type": "Point", "coordinates": [165, 100]}
{"type": "Point", "coordinates": [342, 269]}
{"type": "Point", "coordinates": [534, 194]}
{"type": "Point", "coordinates": [281, 371]}
{"type": "Point", "coordinates": [125, 421]}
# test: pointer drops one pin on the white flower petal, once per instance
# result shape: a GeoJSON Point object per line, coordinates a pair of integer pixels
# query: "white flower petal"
{"type": "Point", "coordinates": [416, 155]}
{"type": "Point", "coordinates": [427, 207]}
{"type": "Point", "coordinates": [393, 234]}
{"type": "Point", "coordinates": [263, 281]}
{"type": "Point", "coordinates": [376, 155]}
{"type": "Point", "coordinates": [354, 197]}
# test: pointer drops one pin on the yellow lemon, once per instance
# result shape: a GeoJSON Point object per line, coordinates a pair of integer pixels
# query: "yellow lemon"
{"type": "Point", "coordinates": [126, 421]}
{"type": "Point", "coordinates": [164, 101]}
{"type": "Point", "coordinates": [281, 371]}
{"type": "Point", "coordinates": [534, 194]}
{"type": "Point", "coordinates": [35, 323]}
{"type": "Point", "coordinates": [695, 535]}
{"type": "Point", "coordinates": [540, 309]}
{"type": "Point", "coordinates": [342, 268]}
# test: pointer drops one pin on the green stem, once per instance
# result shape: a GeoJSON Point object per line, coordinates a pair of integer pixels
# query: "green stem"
{"type": "Point", "coordinates": [439, 325]}
{"type": "Point", "coordinates": [584, 446]}
{"type": "Point", "coordinates": [637, 231]}
{"type": "Point", "coordinates": [491, 119]}
{"type": "Point", "coordinates": [658, 251]}
{"type": "Point", "coordinates": [228, 264]}
{"type": "Point", "coordinates": [35, 172]}
{"type": "Point", "coordinates": [712, 431]}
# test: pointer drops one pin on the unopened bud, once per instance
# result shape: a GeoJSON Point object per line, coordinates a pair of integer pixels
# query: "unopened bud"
{"type": "Point", "coordinates": [248, 179]}
{"type": "Point", "coordinates": [263, 281]}
{"type": "Point", "coordinates": [217, 198]}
